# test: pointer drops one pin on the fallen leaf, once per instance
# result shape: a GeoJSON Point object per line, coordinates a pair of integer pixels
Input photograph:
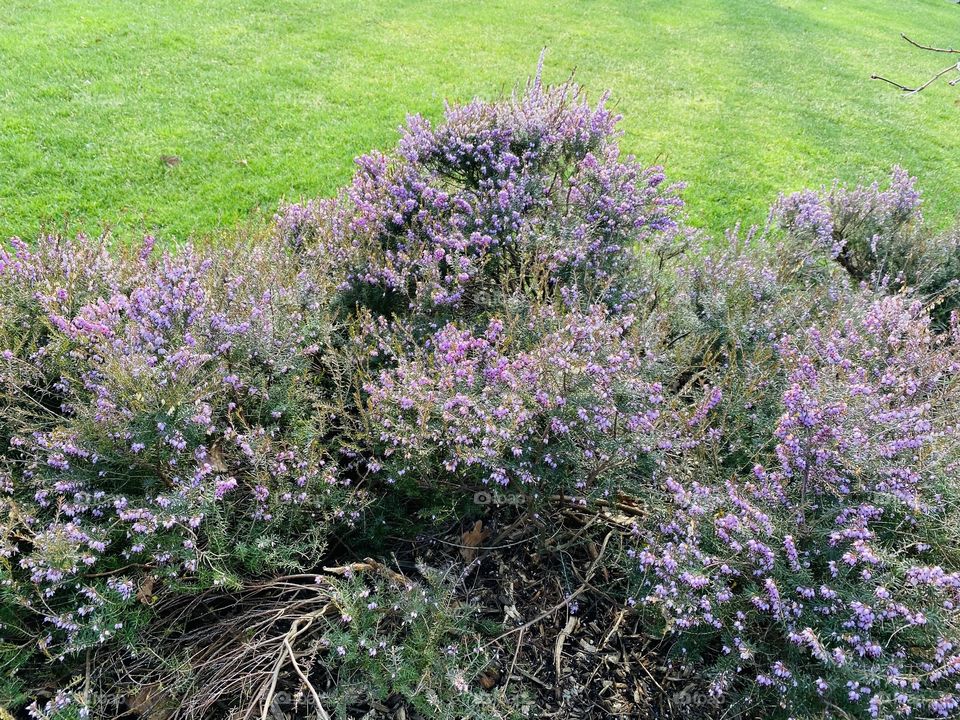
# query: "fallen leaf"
{"type": "Point", "coordinates": [217, 461]}
{"type": "Point", "coordinates": [145, 593]}
{"type": "Point", "coordinates": [489, 678]}
{"type": "Point", "coordinates": [511, 612]}
{"type": "Point", "coordinates": [472, 539]}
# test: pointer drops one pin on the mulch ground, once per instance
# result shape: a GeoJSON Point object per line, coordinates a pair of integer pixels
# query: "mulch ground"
{"type": "Point", "coordinates": [564, 640]}
{"type": "Point", "coordinates": [572, 647]}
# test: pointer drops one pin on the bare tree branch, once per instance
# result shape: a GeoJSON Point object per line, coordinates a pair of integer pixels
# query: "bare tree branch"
{"type": "Point", "coordinates": [928, 47]}
{"type": "Point", "coordinates": [913, 90]}
{"type": "Point", "coordinates": [927, 84]}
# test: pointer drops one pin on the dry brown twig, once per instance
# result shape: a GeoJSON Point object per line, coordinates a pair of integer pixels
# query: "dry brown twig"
{"type": "Point", "coordinates": [295, 630]}
{"type": "Point", "coordinates": [236, 648]}
{"type": "Point", "coordinates": [559, 606]}
{"type": "Point", "coordinates": [513, 664]}
{"type": "Point", "coordinates": [955, 67]}
{"type": "Point", "coordinates": [559, 642]}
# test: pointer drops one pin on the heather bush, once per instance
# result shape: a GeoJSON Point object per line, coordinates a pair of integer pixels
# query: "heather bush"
{"type": "Point", "coordinates": [554, 401]}
{"type": "Point", "coordinates": [727, 302]}
{"type": "Point", "coordinates": [503, 301]}
{"type": "Point", "coordinates": [824, 577]}
{"type": "Point", "coordinates": [163, 424]}
{"type": "Point", "coordinates": [870, 232]}
{"type": "Point", "coordinates": [397, 637]}
{"type": "Point", "coordinates": [938, 278]}
{"type": "Point", "coordinates": [878, 237]}
{"type": "Point", "coordinates": [799, 550]}
{"type": "Point", "coordinates": [495, 262]}
{"type": "Point", "coordinates": [519, 196]}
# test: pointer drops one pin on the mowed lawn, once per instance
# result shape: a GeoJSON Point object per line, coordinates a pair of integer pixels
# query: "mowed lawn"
{"type": "Point", "coordinates": [183, 117]}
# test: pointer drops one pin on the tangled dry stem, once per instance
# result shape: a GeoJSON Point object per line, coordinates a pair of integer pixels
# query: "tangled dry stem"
{"type": "Point", "coordinates": [234, 645]}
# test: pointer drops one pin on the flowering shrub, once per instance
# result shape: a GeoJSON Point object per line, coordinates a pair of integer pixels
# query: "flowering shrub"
{"type": "Point", "coordinates": [495, 259]}
{"type": "Point", "coordinates": [877, 236]}
{"type": "Point", "coordinates": [162, 423]}
{"type": "Point", "coordinates": [867, 230]}
{"type": "Point", "coordinates": [821, 577]}
{"type": "Point", "coordinates": [521, 195]}
{"type": "Point", "coordinates": [399, 637]}
{"type": "Point", "coordinates": [555, 401]}
{"type": "Point", "coordinates": [745, 294]}
{"type": "Point", "coordinates": [938, 277]}
{"type": "Point", "coordinates": [503, 300]}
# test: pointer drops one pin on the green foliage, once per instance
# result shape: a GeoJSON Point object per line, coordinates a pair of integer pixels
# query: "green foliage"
{"type": "Point", "coordinates": [394, 637]}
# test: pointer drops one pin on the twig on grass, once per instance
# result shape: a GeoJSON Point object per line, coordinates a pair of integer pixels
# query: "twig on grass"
{"type": "Point", "coordinates": [928, 47]}
{"type": "Point", "coordinates": [937, 76]}
{"type": "Point", "coordinates": [928, 83]}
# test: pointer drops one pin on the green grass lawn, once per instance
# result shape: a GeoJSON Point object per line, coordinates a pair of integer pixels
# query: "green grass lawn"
{"type": "Point", "coordinates": [263, 99]}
